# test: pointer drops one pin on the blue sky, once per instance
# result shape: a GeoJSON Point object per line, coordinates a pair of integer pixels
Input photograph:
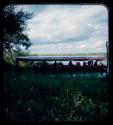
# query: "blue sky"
{"type": "Point", "coordinates": [67, 28]}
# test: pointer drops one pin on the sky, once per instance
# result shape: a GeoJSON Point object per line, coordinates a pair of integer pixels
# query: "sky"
{"type": "Point", "coordinates": [67, 29]}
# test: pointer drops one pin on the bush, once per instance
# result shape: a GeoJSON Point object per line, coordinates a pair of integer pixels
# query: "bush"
{"type": "Point", "coordinates": [54, 97]}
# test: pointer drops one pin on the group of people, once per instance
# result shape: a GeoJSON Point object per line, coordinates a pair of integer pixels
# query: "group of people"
{"type": "Point", "coordinates": [89, 63]}
{"type": "Point", "coordinates": [78, 64]}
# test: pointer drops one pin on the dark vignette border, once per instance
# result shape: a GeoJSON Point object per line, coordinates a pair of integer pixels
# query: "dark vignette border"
{"type": "Point", "coordinates": [105, 3]}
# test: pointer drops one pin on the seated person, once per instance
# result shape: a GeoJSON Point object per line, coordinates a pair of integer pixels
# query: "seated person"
{"type": "Point", "coordinates": [89, 63]}
{"type": "Point", "coordinates": [44, 64]}
{"type": "Point", "coordinates": [84, 64]}
{"type": "Point", "coordinates": [55, 64]}
{"type": "Point", "coordinates": [60, 65]}
{"type": "Point", "coordinates": [96, 63]}
{"type": "Point", "coordinates": [78, 64]}
{"type": "Point", "coordinates": [101, 64]}
{"type": "Point", "coordinates": [70, 64]}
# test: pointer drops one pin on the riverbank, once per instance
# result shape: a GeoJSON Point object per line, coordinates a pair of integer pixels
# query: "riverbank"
{"type": "Point", "coordinates": [39, 97]}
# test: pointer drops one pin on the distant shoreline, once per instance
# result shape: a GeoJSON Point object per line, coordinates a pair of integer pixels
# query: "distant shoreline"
{"type": "Point", "coordinates": [77, 54]}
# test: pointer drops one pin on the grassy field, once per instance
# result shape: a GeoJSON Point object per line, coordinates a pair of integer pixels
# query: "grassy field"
{"type": "Point", "coordinates": [33, 96]}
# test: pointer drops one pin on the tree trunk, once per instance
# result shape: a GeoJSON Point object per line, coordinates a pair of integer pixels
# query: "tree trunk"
{"type": "Point", "coordinates": [11, 56]}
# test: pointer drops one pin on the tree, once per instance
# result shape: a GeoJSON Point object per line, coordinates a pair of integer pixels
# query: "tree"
{"type": "Point", "coordinates": [14, 27]}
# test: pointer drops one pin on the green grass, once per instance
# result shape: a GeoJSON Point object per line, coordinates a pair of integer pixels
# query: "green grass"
{"type": "Point", "coordinates": [54, 97]}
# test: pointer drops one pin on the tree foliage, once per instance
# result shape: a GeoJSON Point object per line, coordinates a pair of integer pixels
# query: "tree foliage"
{"type": "Point", "coordinates": [15, 25]}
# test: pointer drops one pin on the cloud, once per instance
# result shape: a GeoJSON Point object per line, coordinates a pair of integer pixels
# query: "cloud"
{"type": "Point", "coordinates": [69, 48]}
{"type": "Point", "coordinates": [64, 28]}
